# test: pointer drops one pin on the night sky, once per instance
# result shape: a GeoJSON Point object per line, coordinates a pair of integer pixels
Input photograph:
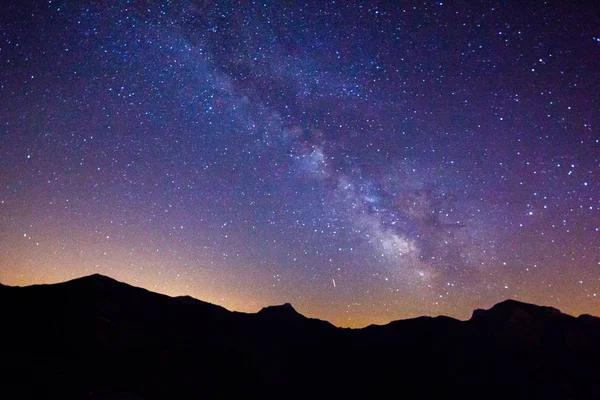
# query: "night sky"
{"type": "Point", "coordinates": [363, 161]}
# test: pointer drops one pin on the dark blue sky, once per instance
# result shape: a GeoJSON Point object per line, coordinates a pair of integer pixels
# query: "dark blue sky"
{"type": "Point", "coordinates": [365, 162]}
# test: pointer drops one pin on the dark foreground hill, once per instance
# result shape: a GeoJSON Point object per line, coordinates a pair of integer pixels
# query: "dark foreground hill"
{"type": "Point", "coordinates": [95, 337]}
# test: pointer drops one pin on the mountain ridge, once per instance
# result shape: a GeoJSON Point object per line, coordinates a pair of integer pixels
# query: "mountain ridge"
{"type": "Point", "coordinates": [504, 307]}
{"type": "Point", "coordinates": [95, 337]}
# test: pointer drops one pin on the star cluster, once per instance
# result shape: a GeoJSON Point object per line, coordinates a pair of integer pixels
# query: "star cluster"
{"type": "Point", "coordinates": [363, 161]}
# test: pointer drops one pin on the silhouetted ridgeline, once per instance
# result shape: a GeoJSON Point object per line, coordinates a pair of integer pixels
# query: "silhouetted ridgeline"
{"type": "Point", "coordinates": [95, 337]}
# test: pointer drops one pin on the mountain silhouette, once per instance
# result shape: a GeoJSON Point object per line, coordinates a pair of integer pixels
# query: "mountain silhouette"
{"type": "Point", "coordinates": [95, 337]}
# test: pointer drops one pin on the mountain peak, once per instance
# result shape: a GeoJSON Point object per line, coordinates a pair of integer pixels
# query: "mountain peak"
{"type": "Point", "coordinates": [100, 282]}
{"type": "Point", "coordinates": [94, 279]}
{"type": "Point", "coordinates": [510, 308]}
{"type": "Point", "coordinates": [285, 310]}
{"type": "Point", "coordinates": [286, 307]}
{"type": "Point", "coordinates": [95, 276]}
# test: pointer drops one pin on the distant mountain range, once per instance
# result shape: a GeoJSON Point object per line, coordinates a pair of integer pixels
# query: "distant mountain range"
{"type": "Point", "coordinates": [98, 338]}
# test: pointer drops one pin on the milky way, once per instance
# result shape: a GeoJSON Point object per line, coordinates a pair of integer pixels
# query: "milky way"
{"type": "Point", "coordinates": [363, 162]}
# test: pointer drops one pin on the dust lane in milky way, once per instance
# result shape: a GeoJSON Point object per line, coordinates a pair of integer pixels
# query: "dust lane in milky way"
{"type": "Point", "coordinates": [362, 162]}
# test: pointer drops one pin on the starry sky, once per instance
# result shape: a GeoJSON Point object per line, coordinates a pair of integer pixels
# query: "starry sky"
{"type": "Point", "coordinates": [364, 161]}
